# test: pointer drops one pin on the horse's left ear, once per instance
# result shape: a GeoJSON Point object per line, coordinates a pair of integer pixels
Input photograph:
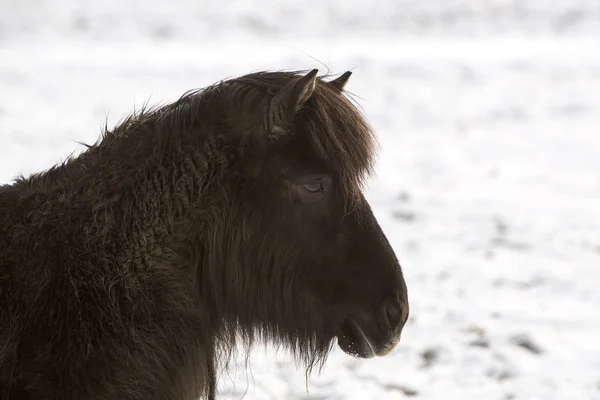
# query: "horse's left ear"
{"type": "Point", "coordinates": [289, 100]}
{"type": "Point", "coordinates": [339, 82]}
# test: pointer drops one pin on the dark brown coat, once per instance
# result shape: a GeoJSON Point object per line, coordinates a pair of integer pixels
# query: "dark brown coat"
{"type": "Point", "coordinates": [232, 215]}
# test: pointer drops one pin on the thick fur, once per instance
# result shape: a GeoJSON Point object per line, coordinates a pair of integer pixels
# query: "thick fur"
{"type": "Point", "coordinates": [132, 270]}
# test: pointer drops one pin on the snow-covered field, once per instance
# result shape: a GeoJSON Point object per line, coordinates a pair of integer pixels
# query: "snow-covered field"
{"type": "Point", "coordinates": [488, 180]}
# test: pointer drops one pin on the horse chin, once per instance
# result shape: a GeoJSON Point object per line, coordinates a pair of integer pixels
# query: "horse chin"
{"type": "Point", "coordinates": [354, 341]}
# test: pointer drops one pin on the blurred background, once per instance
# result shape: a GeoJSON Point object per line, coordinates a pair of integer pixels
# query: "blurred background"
{"type": "Point", "coordinates": [488, 175]}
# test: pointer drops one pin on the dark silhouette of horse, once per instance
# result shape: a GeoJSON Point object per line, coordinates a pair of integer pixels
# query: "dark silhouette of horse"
{"type": "Point", "coordinates": [231, 216]}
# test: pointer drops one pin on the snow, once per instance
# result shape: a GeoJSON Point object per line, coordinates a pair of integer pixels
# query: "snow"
{"type": "Point", "coordinates": [488, 176]}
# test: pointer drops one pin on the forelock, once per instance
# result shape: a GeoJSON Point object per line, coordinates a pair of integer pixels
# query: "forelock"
{"type": "Point", "coordinates": [336, 129]}
{"type": "Point", "coordinates": [341, 137]}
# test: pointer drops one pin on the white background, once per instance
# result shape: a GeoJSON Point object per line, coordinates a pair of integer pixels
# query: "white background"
{"type": "Point", "coordinates": [488, 176]}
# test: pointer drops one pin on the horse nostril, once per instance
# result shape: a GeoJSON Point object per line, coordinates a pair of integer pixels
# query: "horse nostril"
{"type": "Point", "coordinates": [393, 313]}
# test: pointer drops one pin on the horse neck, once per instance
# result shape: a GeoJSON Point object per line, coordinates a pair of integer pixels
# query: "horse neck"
{"type": "Point", "coordinates": [127, 194]}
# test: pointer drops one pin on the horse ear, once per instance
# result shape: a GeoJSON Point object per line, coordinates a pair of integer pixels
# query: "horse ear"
{"type": "Point", "coordinates": [341, 81]}
{"type": "Point", "coordinates": [290, 99]}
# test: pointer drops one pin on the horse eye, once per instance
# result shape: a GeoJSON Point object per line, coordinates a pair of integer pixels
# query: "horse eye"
{"type": "Point", "coordinates": [314, 187]}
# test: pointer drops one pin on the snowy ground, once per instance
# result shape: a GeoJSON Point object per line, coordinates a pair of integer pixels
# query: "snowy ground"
{"type": "Point", "coordinates": [488, 181]}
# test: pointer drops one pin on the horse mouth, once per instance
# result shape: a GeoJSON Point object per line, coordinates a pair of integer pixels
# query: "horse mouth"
{"type": "Point", "coordinates": [354, 341]}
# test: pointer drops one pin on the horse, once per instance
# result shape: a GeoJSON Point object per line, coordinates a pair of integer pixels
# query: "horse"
{"type": "Point", "coordinates": [232, 216]}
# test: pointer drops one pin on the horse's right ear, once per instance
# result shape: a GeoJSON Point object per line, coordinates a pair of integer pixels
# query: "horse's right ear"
{"type": "Point", "coordinates": [289, 100]}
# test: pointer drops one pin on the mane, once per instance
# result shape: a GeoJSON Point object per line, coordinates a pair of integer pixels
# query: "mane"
{"type": "Point", "coordinates": [162, 126]}
{"type": "Point", "coordinates": [328, 120]}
